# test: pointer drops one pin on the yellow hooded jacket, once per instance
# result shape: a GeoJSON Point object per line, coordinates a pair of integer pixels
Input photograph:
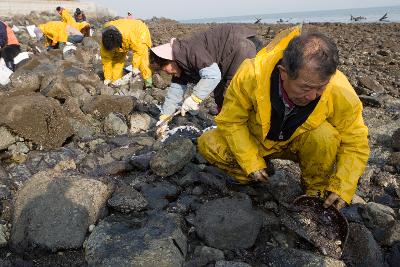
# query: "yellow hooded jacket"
{"type": "Point", "coordinates": [67, 18]}
{"type": "Point", "coordinates": [135, 37]}
{"type": "Point", "coordinates": [245, 118]}
{"type": "Point", "coordinates": [56, 31]}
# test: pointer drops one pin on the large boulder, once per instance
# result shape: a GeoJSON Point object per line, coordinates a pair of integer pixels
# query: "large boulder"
{"type": "Point", "coordinates": [103, 105]}
{"type": "Point", "coordinates": [173, 157]}
{"type": "Point", "coordinates": [141, 242]}
{"type": "Point", "coordinates": [54, 210]}
{"type": "Point", "coordinates": [361, 248]}
{"type": "Point", "coordinates": [114, 124]}
{"type": "Point", "coordinates": [396, 140]}
{"type": "Point", "coordinates": [228, 223]}
{"type": "Point", "coordinates": [36, 118]}
{"type": "Point", "coordinates": [376, 215]}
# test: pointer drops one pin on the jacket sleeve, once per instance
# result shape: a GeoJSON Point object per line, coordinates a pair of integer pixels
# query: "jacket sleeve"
{"type": "Point", "coordinates": [233, 119]}
{"type": "Point", "coordinates": [140, 58]}
{"type": "Point", "coordinates": [106, 60]}
{"type": "Point", "coordinates": [209, 79]}
{"type": "Point", "coordinates": [353, 152]}
{"type": "Point", "coordinates": [3, 34]}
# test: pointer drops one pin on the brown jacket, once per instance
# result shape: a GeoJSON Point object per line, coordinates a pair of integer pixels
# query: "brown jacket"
{"type": "Point", "coordinates": [227, 45]}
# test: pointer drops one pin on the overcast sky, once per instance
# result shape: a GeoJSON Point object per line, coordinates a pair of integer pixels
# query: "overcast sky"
{"type": "Point", "coordinates": [193, 9]}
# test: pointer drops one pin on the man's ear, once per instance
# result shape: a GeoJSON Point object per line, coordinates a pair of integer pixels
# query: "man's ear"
{"type": "Point", "coordinates": [283, 73]}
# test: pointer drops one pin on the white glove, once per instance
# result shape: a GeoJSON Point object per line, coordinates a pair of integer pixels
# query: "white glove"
{"type": "Point", "coordinates": [260, 175]}
{"type": "Point", "coordinates": [107, 82]}
{"type": "Point", "coordinates": [162, 126]}
{"type": "Point", "coordinates": [190, 104]}
{"type": "Point", "coordinates": [117, 83]}
{"type": "Point", "coordinates": [135, 71]}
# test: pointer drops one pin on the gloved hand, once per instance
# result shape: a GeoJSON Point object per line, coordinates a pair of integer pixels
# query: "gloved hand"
{"type": "Point", "coordinates": [335, 200]}
{"type": "Point", "coordinates": [135, 71]}
{"type": "Point", "coordinates": [117, 83]}
{"type": "Point", "coordinates": [61, 45]}
{"type": "Point", "coordinates": [148, 82]}
{"type": "Point", "coordinates": [107, 82]}
{"type": "Point", "coordinates": [162, 125]}
{"type": "Point", "coordinates": [190, 104]}
{"type": "Point", "coordinates": [259, 176]}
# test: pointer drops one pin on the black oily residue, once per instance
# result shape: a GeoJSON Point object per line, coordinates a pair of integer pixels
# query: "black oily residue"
{"type": "Point", "coordinates": [322, 227]}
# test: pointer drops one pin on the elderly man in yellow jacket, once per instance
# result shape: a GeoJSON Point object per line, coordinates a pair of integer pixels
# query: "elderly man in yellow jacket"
{"type": "Point", "coordinates": [83, 27]}
{"type": "Point", "coordinates": [291, 102]}
{"type": "Point", "coordinates": [119, 37]}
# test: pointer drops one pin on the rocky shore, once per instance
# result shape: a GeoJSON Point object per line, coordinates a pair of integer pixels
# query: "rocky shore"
{"type": "Point", "coordinates": [83, 181]}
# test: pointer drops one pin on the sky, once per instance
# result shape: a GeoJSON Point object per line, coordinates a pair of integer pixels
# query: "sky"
{"type": "Point", "coordinates": [194, 9]}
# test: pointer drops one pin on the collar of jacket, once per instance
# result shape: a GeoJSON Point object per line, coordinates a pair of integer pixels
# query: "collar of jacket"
{"type": "Point", "coordinates": [265, 62]}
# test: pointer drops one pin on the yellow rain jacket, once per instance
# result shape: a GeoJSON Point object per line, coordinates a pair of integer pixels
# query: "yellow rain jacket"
{"type": "Point", "coordinates": [67, 18]}
{"type": "Point", "coordinates": [135, 37]}
{"type": "Point", "coordinates": [244, 122]}
{"type": "Point", "coordinates": [54, 31]}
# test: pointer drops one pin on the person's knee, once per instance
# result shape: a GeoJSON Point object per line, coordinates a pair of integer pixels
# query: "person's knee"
{"type": "Point", "coordinates": [325, 134]}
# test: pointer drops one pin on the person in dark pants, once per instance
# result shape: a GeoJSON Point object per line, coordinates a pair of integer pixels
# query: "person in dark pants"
{"type": "Point", "coordinates": [9, 45]}
{"type": "Point", "coordinates": [208, 59]}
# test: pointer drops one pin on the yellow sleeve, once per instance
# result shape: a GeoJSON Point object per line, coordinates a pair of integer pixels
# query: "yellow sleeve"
{"type": "Point", "coordinates": [232, 121]}
{"type": "Point", "coordinates": [106, 60]}
{"type": "Point", "coordinates": [353, 153]}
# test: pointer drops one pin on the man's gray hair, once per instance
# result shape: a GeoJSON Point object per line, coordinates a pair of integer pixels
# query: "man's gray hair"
{"type": "Point", "coordinates": [311, 48]}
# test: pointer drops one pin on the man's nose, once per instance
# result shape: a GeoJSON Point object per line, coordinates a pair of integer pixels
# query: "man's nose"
{"type": "Point", "coordinates": [312, 95]}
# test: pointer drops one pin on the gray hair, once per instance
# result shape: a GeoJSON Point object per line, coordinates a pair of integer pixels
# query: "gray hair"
{"type": "Point", "coordinates": [311, 48]}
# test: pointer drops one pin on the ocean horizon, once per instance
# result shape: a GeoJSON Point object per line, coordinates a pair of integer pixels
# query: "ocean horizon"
{"type": "Point", "coordinates": [369, 15]}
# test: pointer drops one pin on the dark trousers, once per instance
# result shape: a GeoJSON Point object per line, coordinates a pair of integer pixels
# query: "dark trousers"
{"type": "Point", "coordinates": [9, 52]}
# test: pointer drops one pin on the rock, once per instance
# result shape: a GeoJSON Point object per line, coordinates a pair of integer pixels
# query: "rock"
{"type": "Point", "coordinates": [53, 211]}
{"type": "Point", "coordinates": [115, 125]}
{"type": "Point", "coordinates": [36, 118]}
{"type": "Point", "coordinates": [172, 157]}
{"type": "Point", "coordinates": [295, 257]}
{"type": "Point", "coordinates": [391, 235]}
{"type": "Point", "coordinates": [78, 91]}
{"type": "Point", "coordinates": [396, 140]}
{"type": "Point", "coordinates": [393, 257]}
{"type": "Point", "coordinates": [227, 223]}
{"type": "Point", "coordinates": [4, 235]}
{"type": "Point", "coordinates": [231, 264]}
{"type": "Point", "coordinates": [25, 82]}
{"type": "Point", "coordinates": [140, 122]}
{"type": "Point", "coordinates": [18, 148]}
{"type": "Point", "coordinates": [155, 241]}
{"type": "Point", "coordinates": [204, 255]}
{"type": "Point", "coordinates": [6, 138]}
{"type": "Point", "coordinates": [284, 187]}
{"type": "Point", "coordinates": [91, 43]}
{"type": "Point", "coordinates": [352, 213]}
{"type": "Point", "coordinates": [158, 194]}
{"type": "Point", "coordinates": [370, 101]}
{"type": "Point", "coordinates": [377, 215]}
{"type": "Point", "coordinates": [141, 162]}
{"type": "Point", "coordinates": [394, 160]}
{"type": "Point", "coordinates": [161, 80]}
{"type": "Point", "coordinates": [126, 199]}
{"type": "Point", "coordinates": [103, 105]}
{"type": "Point", "coordinates": [57, 88]}
{"type": "Point", "coordinates": [361, 248]}
{"type": "Point", "coordinates": [371, 84]}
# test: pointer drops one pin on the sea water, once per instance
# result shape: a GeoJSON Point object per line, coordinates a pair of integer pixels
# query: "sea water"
{"type": "Point", "coordinates": [340, 15]}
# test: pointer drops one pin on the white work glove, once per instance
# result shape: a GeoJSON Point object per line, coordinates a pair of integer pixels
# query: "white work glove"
{"type": "Point", "coordinates": [162, 126]}
{"type": "Point", "coordinates": [259, 176]}
{"type": "Point", "coordinates": [107, 82]}
{"type": "Point", "coordinates": [190, 104]}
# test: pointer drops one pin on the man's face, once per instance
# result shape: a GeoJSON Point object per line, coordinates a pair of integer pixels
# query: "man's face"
{"type": "Point", "coordinates": [306, 88]}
